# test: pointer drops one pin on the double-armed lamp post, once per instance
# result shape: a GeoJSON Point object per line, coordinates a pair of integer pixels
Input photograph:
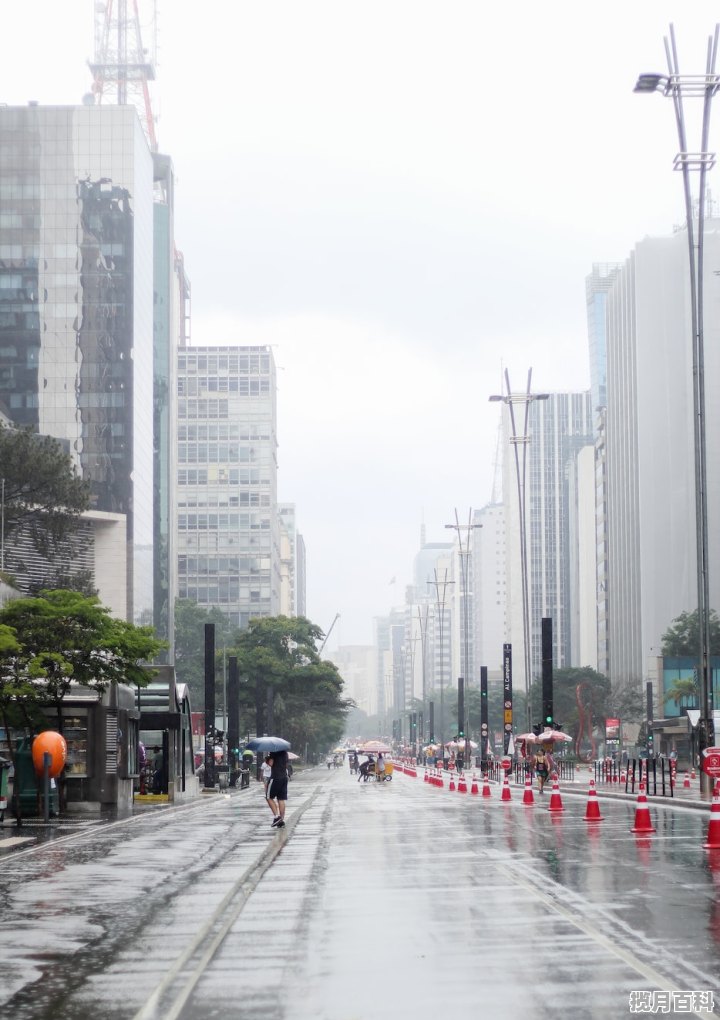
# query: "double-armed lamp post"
{"type": "Point", "coordinates": [676, 86]}
{"type": "Point", "coordinates": [519, 442]}
{"type": "Point", "coordinates": [464, 532]}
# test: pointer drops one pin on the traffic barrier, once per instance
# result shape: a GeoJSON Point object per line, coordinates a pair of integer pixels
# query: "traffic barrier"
{"type": "Point", "coordinates": [686, 780]}
{"type": "Point", "coordinates": [528, 791]}
{"type": "Point", "coordinates": [592, 811]}
{"type": "Point", "coordinates": [462, 784]}
{"type": "Point", "coordinates": [556, 803]}
{"type": "Point", "coordinates": [506, 795]}
{"type": "Point", "coordinates": [643, 822]}
{"type": "Point", "coordinates": [486, 786]}
{"type": "Point", "coordinates": [713, 833]}
{"type": "Point", "coordinates": [474, 785]}
{"type": "Point", "coordinates": [451, 787]}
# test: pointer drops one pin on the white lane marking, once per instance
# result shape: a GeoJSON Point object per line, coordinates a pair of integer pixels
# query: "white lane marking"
{"type": "Point", "coordinates": [652, 975]}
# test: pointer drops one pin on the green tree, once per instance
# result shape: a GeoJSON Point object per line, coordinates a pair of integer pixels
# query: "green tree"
{"type": "Point", "coordinates": [190, 620]}
{"type": "Point", "coordinates": [43, 494]}
{"type": "Point", "coordinates": [285, 686]}
{"type": "Point", "coordinates": [594, 695]}
{"type": "Point", "coordinates": [683, 635]}
{"type": "Point", "coordinates": [684, 690]}
{"type": "Point", "coordinates": [64, 637]}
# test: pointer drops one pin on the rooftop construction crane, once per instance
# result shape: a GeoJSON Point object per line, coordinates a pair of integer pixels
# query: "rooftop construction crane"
{"type": "Point", "coordinates": [337, 617]}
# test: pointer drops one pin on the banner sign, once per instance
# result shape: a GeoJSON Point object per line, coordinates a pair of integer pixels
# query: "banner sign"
{"type": "Point", "coordinates": [507, 696]}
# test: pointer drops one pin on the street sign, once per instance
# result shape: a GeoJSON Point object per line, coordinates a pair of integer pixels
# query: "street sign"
{"type": "Point", "coordinates": [711, 762]}
{"type": "Point", "coordinates": [506, 764]}
{"type": "Point", "coordinates": [693, 715]}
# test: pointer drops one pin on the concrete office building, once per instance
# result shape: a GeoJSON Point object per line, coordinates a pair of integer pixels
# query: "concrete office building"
{"type": "Point", "coordinates": [170, 331]}
{"type": "Point", "coordinates": [652, 574]}
{"type": "Point", "coordinates": [228, 539]}
{"type": "Point", "coordinates": [76, 306]}
{"type": "Point", "coordinates": [598, 285]}
{"type": "Point", "coordinates": [357, 666]}
{"type": "Point", "coordinates": [292, 563]}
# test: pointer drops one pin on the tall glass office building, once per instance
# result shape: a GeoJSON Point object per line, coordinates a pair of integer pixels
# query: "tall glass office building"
{"type": "Point", "coordinates": [228, 540]}
{"type": "Point", "coordinates": [76, 304]}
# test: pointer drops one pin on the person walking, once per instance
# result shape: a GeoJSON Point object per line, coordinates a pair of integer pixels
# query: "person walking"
{"type": "Point", "coordinates": [266, 769]}
{"type": "Point", "coordinates": [542, 769]}
{"type": "Point", "coordinates": [277, 788]}
{"type": "Point", "coordinates": [380, 767]}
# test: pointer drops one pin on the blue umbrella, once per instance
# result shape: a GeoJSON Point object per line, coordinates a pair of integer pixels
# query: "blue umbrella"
{"type": "Point", "coordinates": [268, 744]}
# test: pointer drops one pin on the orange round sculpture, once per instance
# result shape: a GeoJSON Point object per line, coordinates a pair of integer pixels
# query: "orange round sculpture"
{"type": "Point", "coordinates": [52, 743]}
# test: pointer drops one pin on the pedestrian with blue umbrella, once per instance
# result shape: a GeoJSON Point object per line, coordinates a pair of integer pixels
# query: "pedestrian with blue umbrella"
{"type": "Point", "coordinates": [277, 748]}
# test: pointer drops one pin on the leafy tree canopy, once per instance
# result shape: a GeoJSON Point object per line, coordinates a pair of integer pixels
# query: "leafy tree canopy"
{"type": "Point", "coordinates": [42, 491]}
{"type": "Point", "coordinates": [64, 637]}
{"type": "Point", "coordinates": [684, 692]}
{"type": "Point", "coordinates": [286, 687]}
{"type": "Point", "coordinates": [683, 635]}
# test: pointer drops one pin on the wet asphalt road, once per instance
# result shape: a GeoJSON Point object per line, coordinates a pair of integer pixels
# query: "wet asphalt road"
{"type": "Point", "coordinates": [395, 900]}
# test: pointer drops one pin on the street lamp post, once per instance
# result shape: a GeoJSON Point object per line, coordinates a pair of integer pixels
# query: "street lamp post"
{"type": "Point", "coordinates": [441, 587]}
{"type": "Point", "coordinates": [676, 86]}
{"type": "Point", "coordinates": [422, 623]}
{"type": "Point", "coordinates": [520, 441]}
{"type": "Point", "coordinates": [464, 549]}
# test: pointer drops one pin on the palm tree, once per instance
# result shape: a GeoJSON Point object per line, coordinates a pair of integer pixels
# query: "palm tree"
{"type": "Point", "coordinates": [683, 689]}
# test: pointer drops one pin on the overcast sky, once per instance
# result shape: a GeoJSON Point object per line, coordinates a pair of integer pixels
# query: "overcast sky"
{"type": "Point", "coordinates": [403, 197]}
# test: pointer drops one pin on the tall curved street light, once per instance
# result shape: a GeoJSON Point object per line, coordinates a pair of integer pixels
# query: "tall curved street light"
{"type": "Point", "coordinates": [464, 550]}
{"type": "Point", "coordinates": [441, 586]}
{"type": "Point", "coordinates": [519, 442]}
{"type": "Point", "coordinates": [677, 86]}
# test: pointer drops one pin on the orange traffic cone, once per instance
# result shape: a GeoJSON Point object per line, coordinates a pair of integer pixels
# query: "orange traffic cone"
{"type": "Point", "coordinates": [462, 784]}
{"type": "Point", "coordinates": [643, 822]}
{"type": "Point", "coordinates": [686, 780]}
{"type": "Point", "coordinates": [623, 777]}
{"type": "Point", "coordinates": [528, 792]}
{"type": "Point", "coordinates": [451, 787]}
{"type": "Point", "coordinates": [506, 789]}
{"type": "Point", "coordinates": [556, 803]}
{"type": "Point", "coordinates": [486, 786]}
{"type": "Point", "coordinates": [474, 785]}
{"type": "Point", "coordinates": [713, 833]}
{"type": "Point", "coordinates": [592, 811]}
{"type": "Point", "coordinates": [692, 774]}
{"type": "Point", "coordinates": [439, 781]}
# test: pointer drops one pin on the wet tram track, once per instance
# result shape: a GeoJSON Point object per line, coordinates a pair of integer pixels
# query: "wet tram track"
{"type": "Point", "coordinates": [131, 960]}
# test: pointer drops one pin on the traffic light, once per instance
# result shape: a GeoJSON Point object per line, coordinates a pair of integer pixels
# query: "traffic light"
{"type": "Point", "coordinates": [548, 720]}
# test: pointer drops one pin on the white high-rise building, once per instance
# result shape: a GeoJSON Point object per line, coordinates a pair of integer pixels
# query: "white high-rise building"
{"type": "Point", "coordinates": [228, 539]}
{"type": "Point", "coordinates": [489, 570]}
{"type": "Point", "coordinates": [652, 575]}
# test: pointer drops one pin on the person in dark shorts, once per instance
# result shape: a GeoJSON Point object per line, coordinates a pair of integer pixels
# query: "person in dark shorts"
{"type": "Point", "coordinates": [277, 788]}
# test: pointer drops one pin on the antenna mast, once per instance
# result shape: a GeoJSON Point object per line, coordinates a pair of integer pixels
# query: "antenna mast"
{"type": "Point", "coordinates": [122, 66]}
